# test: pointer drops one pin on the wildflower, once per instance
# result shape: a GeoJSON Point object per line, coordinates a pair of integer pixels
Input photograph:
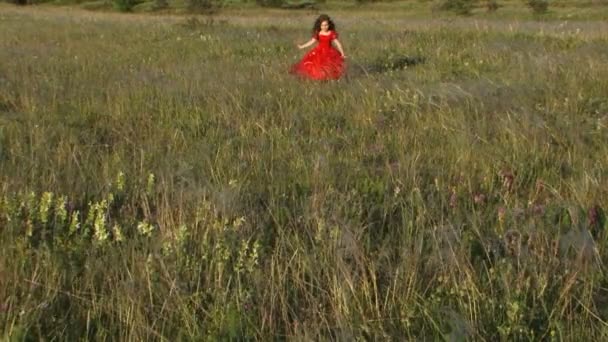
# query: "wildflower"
{"type": "Point", "coordinates": [320, 233]}
{"type": "Point", "coordinates": [117, 232]}
{"type": "Point", "coordinates": [539, 186]}
{"type": "Point", "coordinates": [507, 179]}
{"type": "Point", "coordinates": [501, 214]}
{"type": "Point", "coordinates": [29, 228]}
{"type": "Point", "coordinates": [334, 233]}
{"type": "Point", "coordinates": [512, 240]}
{"type": "Point", "coordinates": [239, 222]}
{"type": "Point", "coordinates": [182, 235]}
{"type": "Point", "coordinates": [110, 199]}
{"type": "Point", "coordinates": [239, 266]}
{"type": "Point", "coordinates": [538, 209]}
{"type": "Point", "coordinates": [61, 213]}
{"type": "Point", "coordinates": [45, 205]}
{"type": "Point", "coordinates": [120, 181]}
{"type": "Point", "coordinates": [74, 223]}
{"type": "Point", "coordinates": [99, 223]}
{"type": "Point", "coordinates": [167, 247]}
{"type": "Point", "coordinates": [593, 216]}
{"type": "Point", "coordinates": [145, 229]}
{"type": "Point", "coordinates": [479, 198]}
{"type": "Point", "coordinates": [460, 179]}
{"type": "Point", "coordinates": [29, 203]}
{"type": "Point", "coordinates": [594, 219]}
{"type": "Point", "coordinates": [149, 261]}
{"type": "Point", "coordinates": [453, 199]}
{"type": "Point", "coordinates": [253, 257]}
{"type": "Point", "coordinates": [150, 185]}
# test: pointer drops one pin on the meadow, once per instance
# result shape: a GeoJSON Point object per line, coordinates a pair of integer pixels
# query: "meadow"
{"type": "Point", "coordinates": [162, 177]}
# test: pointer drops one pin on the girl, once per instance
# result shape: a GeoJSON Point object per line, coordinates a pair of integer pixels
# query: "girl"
{"type": "Point", "coordinates": [324, 62]}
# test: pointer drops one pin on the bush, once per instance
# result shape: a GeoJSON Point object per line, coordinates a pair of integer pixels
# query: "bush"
{"type": "Point", "coordinates": [539, 6]}
{"type": "Point", "coordinates": [306, 4]}
{"type": "Point", "coordinates": [124, 5]}
{"type": "Point", "coordinates": [204, 6]}
{"type": "Point", "coordinates": [18, 2]}
{"type": "Point", "coordinates": [271, 3]}
{"type": "Point", "coordinates": [160, 4]}
{"type": "Point", "coordinates": [492, 5]}
{"type": "Point", "coordinates": [462, 7]}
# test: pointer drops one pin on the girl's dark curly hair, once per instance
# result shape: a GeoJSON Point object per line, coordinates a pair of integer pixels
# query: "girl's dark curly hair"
{"type": "Point", "coordinates": [317, 27]}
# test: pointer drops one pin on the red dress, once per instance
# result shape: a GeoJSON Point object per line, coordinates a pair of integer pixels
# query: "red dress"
{"type": "Point", "coordinates": [323, 62]}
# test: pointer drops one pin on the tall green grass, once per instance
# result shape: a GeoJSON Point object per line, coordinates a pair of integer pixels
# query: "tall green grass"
{"type": "Point", "coordinates": [168, 179]}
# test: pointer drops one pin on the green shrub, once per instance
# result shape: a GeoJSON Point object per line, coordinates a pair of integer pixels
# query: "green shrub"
{"type": "Point", "coordinates": [271, 3]}
{"type": "Point", "coordinates": [492, 5]}
{"type": "Point", "coordinates": [18, 2]}
{"type": "Point", "coordinates": [160, 4]}
{"type": "Point", "coordinates": [204, 6]}
{"type": "Point", "coordinates": [539, 6]}
{"type": "Point", "coordinates": [124, 5]}
{"type": "Point", "coordinates": [462, 7]}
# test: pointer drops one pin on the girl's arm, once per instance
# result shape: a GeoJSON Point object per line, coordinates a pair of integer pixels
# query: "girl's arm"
{"type": "Point", "coordinates": [307, 44]}
{"type": "Point", "coordinates": [339, 47]}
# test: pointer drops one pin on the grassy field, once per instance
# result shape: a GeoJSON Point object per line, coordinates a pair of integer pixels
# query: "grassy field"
{"type": "Point", "coordinates": [165, 178]}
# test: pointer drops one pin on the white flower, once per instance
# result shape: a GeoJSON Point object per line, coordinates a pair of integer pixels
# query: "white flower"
{"type": "Point", "coordinates": [145, 229]}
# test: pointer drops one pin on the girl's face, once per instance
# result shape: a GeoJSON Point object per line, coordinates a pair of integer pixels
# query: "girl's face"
{"type": "Point", "coordinates": [325, 26]}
